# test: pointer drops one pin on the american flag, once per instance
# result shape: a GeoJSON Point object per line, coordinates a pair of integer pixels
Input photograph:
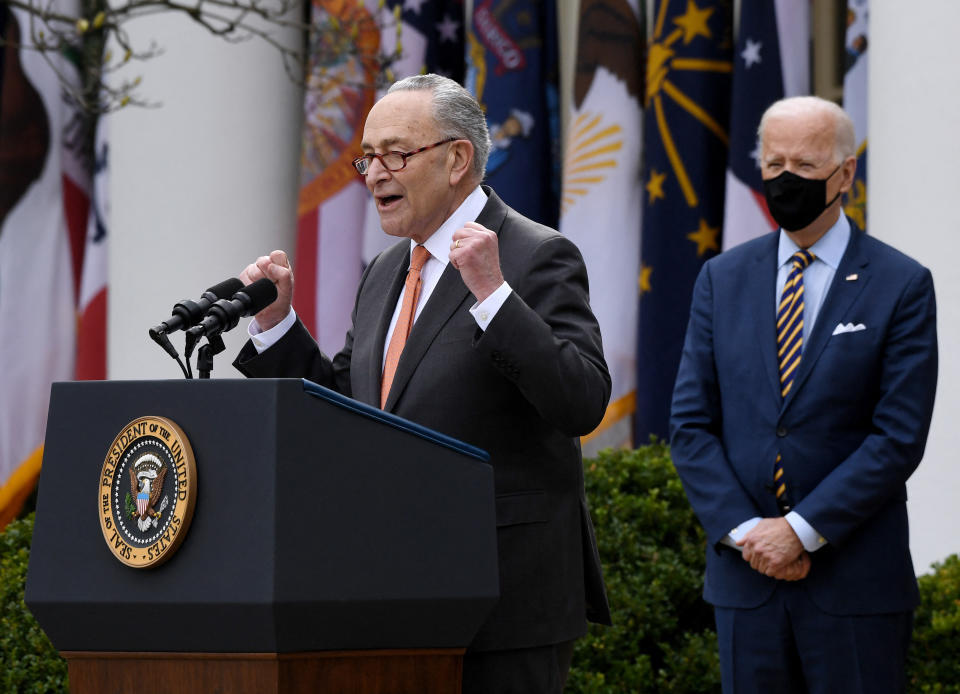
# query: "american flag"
{"type": "Point", "coordinates": [770, 61]}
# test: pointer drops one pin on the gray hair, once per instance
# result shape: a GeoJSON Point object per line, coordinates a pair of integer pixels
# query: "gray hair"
{"type": "Point", "coordinates": [845, 144]}
{"type": "Point", "coordinates": [456, 112]}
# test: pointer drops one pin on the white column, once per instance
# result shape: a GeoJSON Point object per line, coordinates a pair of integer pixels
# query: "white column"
{"type": "Point", "coordinates": [914, 179]}
{"type": "Point", "coordinates": [199, 186]}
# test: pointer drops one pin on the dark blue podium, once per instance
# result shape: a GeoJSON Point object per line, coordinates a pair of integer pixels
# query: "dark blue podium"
{"type": "Point", "coordinates": [333, 547]}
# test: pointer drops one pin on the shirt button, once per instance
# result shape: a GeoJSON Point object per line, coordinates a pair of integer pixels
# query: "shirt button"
{"type": "Point", "coordinates": [484, 316]}
{"type": "Point", "coordinates": [781, 432]}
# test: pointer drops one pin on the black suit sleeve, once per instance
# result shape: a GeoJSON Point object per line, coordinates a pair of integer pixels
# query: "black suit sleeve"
{"type": "Point", "coordinates": [546, 339]}
{"type": "Point", "coordinates": [297, 355]}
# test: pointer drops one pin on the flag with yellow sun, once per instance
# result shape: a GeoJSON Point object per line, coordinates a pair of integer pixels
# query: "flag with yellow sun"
{"type": "Point", "coordinates": [601, 201]}
{"type": "Point", "coordinates": [685, 134]}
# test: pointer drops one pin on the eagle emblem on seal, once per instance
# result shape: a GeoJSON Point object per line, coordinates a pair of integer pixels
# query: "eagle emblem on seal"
{"type": "Point", "coordinates": [146, 487]}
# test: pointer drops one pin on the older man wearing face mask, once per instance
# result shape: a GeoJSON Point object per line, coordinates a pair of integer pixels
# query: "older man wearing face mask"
{"type": "Point", "coordinates": [801, 407]}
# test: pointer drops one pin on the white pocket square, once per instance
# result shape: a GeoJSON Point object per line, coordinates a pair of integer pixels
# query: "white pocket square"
{"type": "Point", "coordinates": [848, 328]}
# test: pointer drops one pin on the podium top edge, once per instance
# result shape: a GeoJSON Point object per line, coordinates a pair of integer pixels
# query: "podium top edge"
{"type": "Point", "coordinates": [313, 389]}
{"type": "Point", "coordinates": [393, 420]}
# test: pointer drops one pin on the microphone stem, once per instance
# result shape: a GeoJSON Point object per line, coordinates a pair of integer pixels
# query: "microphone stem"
{"type": "Point", "coordinates": [206, 353]}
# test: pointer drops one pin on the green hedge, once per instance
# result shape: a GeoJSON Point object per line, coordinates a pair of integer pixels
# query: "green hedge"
{"type": "Point", "coordinates": [28, 661]}
{"type": "Point", "coordinates": [934, 660]}
{"type": "Point", "coordinates": [651, 546]}
{"type": "Point", "coordinates": [663, 638]}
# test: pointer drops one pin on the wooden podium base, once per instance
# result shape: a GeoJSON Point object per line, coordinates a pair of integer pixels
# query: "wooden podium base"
{"type": "Point", "coordinates": [436, 671]}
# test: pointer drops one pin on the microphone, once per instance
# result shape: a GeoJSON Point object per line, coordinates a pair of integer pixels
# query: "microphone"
{"type": "Point", "coordinates": [188, 313]}
{"type": "Point", "coordinates": [225, 314]}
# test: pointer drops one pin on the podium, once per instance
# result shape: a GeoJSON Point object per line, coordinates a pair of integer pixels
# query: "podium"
{"type": "Point", "coordinates": [333, 547]}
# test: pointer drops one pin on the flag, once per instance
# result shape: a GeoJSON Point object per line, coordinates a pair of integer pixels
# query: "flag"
{"type": "Point", "coordinates": [432, 41]}
{"type": "Point", "coordinates": [43, 212]}
{"type": "Point", "coordinates": [602, 188]}
{"type": "Point", "coordinates": [685, 147]}
{"type": "Point", "coordinates": [512, 71]}
{"type": "Point", "coordinates": [341, 88]}
{"type": "Point", "coordinates": [855, 104]}
{"type": "Point", "coordinates": [91, 362]}
{"type": "Point", "coordinates": [771, 61]}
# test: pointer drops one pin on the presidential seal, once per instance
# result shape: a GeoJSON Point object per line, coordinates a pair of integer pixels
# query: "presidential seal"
{"type": "Point", "coordinates": [148, 489]}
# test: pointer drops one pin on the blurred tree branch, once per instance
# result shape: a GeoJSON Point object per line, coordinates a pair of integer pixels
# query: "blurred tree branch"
{"type": "Point", "coordinates": [97, 42]}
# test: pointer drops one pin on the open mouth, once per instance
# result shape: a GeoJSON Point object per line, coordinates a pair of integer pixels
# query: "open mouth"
{"type": "Point", "coordinates": [387, 201]}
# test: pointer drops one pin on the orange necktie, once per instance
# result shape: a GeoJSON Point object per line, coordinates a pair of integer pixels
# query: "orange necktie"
{"type": "Point", "coordinates": [411, 293]}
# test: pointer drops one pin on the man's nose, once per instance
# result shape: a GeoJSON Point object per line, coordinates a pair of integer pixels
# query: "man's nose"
{"type": "Point", "coordinates": [376, 171]}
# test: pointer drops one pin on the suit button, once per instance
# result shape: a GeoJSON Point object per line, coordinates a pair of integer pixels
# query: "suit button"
{"type": "Point", "coordinates": [781, 432]}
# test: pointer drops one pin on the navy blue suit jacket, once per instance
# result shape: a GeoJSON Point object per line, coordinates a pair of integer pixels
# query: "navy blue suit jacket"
{"type": "Point", "coordinates": [851, 431]}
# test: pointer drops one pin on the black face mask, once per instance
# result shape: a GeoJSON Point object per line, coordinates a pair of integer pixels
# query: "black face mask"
{"type": "Point", "coordinates": [795, 201]}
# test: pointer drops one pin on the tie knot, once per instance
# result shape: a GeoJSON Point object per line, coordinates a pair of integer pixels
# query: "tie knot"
{"type": "Point", "coordinates": [419, 258]}
{"type": "Point", "coordinates": [802, 258]}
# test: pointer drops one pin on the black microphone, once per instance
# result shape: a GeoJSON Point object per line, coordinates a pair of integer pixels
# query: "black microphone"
{"type": "Point", "coordinates": [188, 313]}
{"type": "Point", "coordinates": [225, 314]}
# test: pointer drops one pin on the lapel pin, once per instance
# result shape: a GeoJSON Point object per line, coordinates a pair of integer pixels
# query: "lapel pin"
{"type": "Point", "coordinates": [852, 278]}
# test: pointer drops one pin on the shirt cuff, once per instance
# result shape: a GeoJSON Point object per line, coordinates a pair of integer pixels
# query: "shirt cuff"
{"type": "Point", "coordinates": [484, 311]}
{"type": "Point", "coordinates": [264, 339]}
{"type": "Point", "coordinates": [811, 539]}
{"type": "Point", "coordinates": [739, 532]}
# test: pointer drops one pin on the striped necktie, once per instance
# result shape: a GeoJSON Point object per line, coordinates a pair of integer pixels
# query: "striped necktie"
{"type": "Point", "coordinates": [789, 347]}
{"type": "Point", "coordinates": [790, 321]}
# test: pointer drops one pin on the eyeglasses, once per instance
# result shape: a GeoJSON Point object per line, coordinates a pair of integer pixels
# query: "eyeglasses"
{"type": "Point", "coordinates": [393, 161]}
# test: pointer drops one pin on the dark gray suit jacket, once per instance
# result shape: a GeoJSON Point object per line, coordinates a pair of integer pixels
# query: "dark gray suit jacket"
{"type": "Point", "coordinates": [524, 390]}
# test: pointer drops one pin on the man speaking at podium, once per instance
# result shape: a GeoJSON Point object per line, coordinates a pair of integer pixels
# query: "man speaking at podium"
{"type": "Point", "coordinates": [478, 325]}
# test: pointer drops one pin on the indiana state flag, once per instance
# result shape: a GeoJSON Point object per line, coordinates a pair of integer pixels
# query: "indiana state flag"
{"type": "Point", "coordinates": [512, 70]}
{"type": "Point", "coordinates": [685, 143]}
{"type": "Point", "coordinates": [855, 103]}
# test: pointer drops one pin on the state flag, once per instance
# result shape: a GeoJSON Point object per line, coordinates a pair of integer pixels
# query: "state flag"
{"type": "Point", "coordinates": [855, 104]}
{"type": "Point", "coordinates": [512, 70]}
{"type": "Point", "coordinates": [44, 204]}
{"type": "Point", "coordinates": [685, 139]}
{"type": "Point", "coordinates": [602, 189]}
{"type": "Point", "coordinates": [337, 228]}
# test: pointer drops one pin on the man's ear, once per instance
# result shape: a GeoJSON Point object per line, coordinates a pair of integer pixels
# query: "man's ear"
{"type": "Point", "coordinates": [848, 171]}
{"type": "Point", "coordinates": [461, 158]}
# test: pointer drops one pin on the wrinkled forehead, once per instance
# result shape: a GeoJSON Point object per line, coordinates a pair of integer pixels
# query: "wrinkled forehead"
{"type": "Point", "coordinates": [401, 119]}
{"type": "Point", "coordinates": [802, 131]}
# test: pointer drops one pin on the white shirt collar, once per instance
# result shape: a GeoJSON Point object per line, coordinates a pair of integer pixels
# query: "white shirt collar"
{"type": "Point", "coordinates": [829, 248]}
{"type": "Point", "coordinates": [439, 242]}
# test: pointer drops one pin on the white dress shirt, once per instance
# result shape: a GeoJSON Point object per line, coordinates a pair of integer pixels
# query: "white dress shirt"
{"type": "Point", "coordinates": [439, 247]}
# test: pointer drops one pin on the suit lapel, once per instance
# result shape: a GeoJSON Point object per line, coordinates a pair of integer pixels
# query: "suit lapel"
{"type": "Point", "coordinates": [840, 297]}
{"type": "Point", "coordinates": [493, 213]}
{"type": "Point", "coordinates": [762, 287]}
{"type": "Point", "coordinates": [447, 297]}
{"type": "Point", "coordinates": [449, 294]}
{"type": "Point", "coordinates": [387, 284]}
